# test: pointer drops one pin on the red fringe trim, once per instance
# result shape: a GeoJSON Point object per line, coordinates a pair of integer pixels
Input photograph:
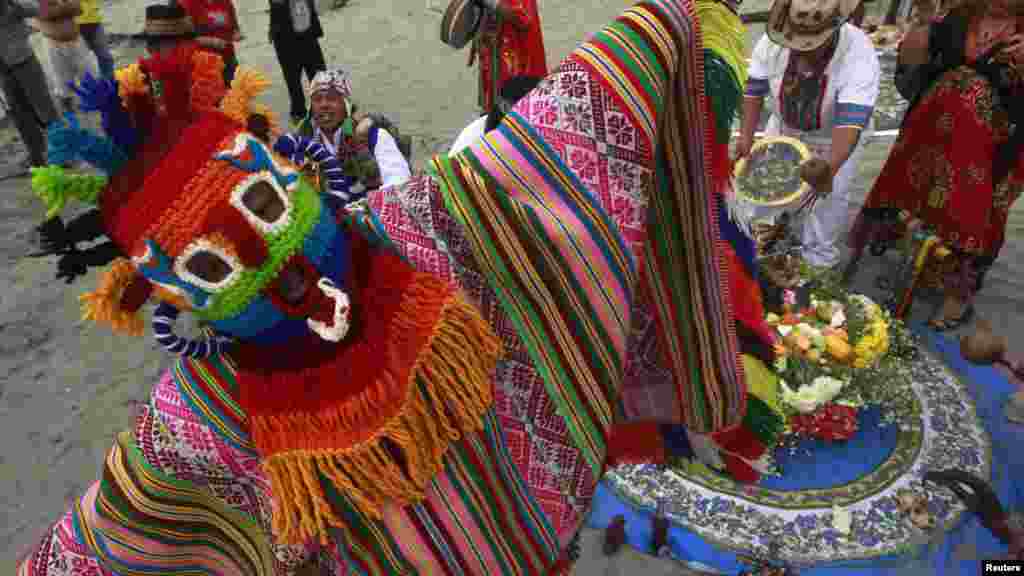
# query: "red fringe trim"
{"type": "Point", "coordinates": [636, 443]}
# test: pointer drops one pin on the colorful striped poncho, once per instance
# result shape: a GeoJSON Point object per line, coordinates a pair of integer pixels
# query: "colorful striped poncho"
{"type": "Point", "coordinates": [587, 231]}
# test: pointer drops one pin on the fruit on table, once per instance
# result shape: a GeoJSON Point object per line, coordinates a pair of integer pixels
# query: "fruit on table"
{"type": "Point", "coordinates": [838, 348]}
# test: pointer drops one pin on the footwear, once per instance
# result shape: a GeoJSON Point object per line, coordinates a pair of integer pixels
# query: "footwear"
{"type": "Point", "coordinates": [943, 324]}
{"type": "Point", "coordinates": [661, 526]}
{"type": "Point", "coordinates": [615, 535]}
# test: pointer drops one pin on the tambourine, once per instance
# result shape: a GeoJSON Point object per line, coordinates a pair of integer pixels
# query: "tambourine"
{"type": "Point", "coordinates": [779, 150]}
{"type": "Point", "coordinates": [460, 23]}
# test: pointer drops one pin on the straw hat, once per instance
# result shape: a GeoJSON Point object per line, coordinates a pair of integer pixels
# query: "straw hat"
{"type": "Point", "coordinates": [805, 25]}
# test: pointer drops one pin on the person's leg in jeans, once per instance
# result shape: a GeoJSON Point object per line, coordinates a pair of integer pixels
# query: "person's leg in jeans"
{"type": "Point", "coordinates": [32, 108]}
{"type": "Point", "coordinates": [291, 69]}
{"type": "Point", "coordinates": [95, 38]}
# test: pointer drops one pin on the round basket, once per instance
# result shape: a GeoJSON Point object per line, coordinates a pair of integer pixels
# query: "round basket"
{"type": "Point", "coordinates": [777, 149]}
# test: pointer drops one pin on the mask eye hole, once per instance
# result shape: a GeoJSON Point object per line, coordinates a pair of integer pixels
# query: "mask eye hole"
{"type": "Point", "coordinates": [264, 202]}
{"type": "Point", "coordinates": [208, 267]}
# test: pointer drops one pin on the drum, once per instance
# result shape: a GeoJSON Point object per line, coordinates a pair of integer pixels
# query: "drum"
{"type": "Point", "coordinates": [460, 23]}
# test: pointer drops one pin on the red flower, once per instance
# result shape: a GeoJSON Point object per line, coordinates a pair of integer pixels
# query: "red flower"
{"type": "Point", "coordinates": [831, 423]}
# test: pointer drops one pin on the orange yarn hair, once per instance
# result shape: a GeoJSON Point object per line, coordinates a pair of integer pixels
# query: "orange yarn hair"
{"type": "Point", "coordinates": [239, 102]}
{"type": "Point", "coordinates": [111, 302]}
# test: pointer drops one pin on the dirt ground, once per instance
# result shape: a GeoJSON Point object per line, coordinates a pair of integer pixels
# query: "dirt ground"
{"type": "Point", "coordinates": [67, 387]}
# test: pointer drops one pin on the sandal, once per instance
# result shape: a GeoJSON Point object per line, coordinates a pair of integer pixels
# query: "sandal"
{"type": "Point", "coordinates": [949, 324]}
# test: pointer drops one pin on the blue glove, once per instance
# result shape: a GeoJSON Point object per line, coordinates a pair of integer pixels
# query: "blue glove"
{"type": "Point", "coordinates": [63, 140]}
{"type": "Point", "coordinates": [290, 148]}
{"type": "Point", "coordinates": [96, 94]}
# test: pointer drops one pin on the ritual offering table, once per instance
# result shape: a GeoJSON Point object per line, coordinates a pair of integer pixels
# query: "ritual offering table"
{"type": "Point", "coordinates": [860, 409]}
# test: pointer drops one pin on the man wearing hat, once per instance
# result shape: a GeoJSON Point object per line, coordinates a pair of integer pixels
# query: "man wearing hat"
{"type": "Point", "coordinates": [167, 26]}
{"type": "Point", "coordinates": [373, 386]}
{"type": "Point", "coordinates": [822, 74]}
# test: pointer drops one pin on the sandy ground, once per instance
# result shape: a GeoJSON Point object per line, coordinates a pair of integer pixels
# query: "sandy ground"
{"type": "Point", "coordinates": [66, 387]}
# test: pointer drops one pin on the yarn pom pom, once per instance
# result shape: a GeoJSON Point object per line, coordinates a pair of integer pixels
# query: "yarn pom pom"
{"type": "Point", "coordinates": [131, 81]}
{"type": "Point", "coordinates": [104, 305]}
{"type": "Point", "coordinates": [245, 87]}
{"type": "Point", "coordinates": [54, 187]}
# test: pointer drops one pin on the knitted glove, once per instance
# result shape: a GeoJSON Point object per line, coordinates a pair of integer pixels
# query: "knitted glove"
{"type": "Point", "coordinates": [77, 262]}
{"type": "Point", "coordinates": [288, 146]}
{"type": "Point", "coordinates": [95, 94]}
{"type": "Point", "coordinates": [53, 235]}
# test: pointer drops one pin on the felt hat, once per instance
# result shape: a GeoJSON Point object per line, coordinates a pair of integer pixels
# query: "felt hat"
{"type": "Point", "coordinates": [460, 23]}
{"type": "Point", "coordinates": [166, 22]}
{"type": "Point", "coordinates": [806, 25]}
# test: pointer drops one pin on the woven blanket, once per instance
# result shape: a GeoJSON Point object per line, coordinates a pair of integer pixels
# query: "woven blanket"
{"type": "Point", "coordinates": [571, 298]}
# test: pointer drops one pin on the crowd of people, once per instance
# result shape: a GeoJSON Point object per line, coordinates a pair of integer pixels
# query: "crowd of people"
{"type": "Point", "coordinates": [491, 271]}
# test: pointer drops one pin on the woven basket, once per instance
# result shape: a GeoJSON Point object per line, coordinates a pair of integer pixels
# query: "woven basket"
{"type": "Point", "coordinates": [801, 154]}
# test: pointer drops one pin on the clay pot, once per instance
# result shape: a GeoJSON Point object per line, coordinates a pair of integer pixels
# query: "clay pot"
{"type": "Point", "coordinates": [983, 346]}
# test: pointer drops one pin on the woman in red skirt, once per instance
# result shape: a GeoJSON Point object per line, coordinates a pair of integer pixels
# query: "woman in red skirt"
{"type": "Point", "coordinates": [510, 44]}
{"type": "Point", "coordinates": [956, 168]}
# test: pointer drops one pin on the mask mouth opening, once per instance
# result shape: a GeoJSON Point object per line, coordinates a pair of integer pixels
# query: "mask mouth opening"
{"type": "Point", "coordinates": [294, 291]}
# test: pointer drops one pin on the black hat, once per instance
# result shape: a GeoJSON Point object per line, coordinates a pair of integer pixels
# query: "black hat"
{"type": "Point", "coordinates": [166, 22]}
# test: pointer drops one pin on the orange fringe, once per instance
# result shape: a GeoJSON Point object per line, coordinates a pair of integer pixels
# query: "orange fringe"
{"type": "Point", "coordinates": [449, 392]}
{"type": "Point", "coordinates": [103, 305]}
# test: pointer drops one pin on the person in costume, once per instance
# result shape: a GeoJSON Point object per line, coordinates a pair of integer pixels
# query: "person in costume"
{"type": "Point", "coordinates": [295, 32]}
{"type": "Point", "coordinates": [955, 170]}
{"type": "Point", "coordinates": [216, 22]}
{"type": "Point", "coordinates": [510, 44]}
{"type": "Point", "coordinates": [349, 149]}
{"type": "Point", "coordinates": [380, 390]}
{"type": "Point", "coordinates": [822, 75]}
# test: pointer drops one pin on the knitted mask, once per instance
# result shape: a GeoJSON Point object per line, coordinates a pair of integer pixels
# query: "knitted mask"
{"type": "Point", "coordinates": [212, 220]}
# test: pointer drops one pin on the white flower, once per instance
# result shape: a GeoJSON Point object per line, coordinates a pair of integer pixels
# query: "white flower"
{"type": "Point", "coordinates": [838, 317]}
{"type": "Point", "coordinates": [842, 520]}
{"type": "Point", "coordinates": [785, 330]}
{"type": "Point", "coordinates": [807, 399]}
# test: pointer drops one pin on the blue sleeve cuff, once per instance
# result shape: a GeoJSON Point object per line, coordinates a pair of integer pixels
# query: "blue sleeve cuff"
{"type": "Point", "coordinates": [757, 87]}
{"type": "Point", "coordinates": [371, 138]}
{"type": "Point", "coordinates": [853, 115]}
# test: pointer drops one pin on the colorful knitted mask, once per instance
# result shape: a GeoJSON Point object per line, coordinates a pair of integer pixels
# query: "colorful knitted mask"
{"type": "Point", "coordinates": [215, 223]}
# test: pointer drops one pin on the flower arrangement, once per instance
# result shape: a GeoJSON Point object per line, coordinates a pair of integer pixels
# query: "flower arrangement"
{"type": "Point", "coordinates": [839, 353]}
